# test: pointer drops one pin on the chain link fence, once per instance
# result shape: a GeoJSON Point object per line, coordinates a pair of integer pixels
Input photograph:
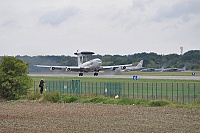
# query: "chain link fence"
{"type": "Point", "coordinates": [175, 92]}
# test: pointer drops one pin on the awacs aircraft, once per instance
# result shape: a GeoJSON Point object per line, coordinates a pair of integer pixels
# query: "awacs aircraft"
{"type": "Point", "coordinates": [94, 65]}
{"type": "Point", "coordinates": [134, 68]}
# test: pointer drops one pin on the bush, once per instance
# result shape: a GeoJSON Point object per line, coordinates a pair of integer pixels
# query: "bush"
{"type": "Point", "coordinates": [97, 100]}
{"type": "Point", "coordinates": [34, 96]}
{"type": "Point", "coordinates": [156, 103]}
{"type": "Point", "coordinates": [110, 101]}
{"type": "Point", "coordinates": [57, 97]}
{"type": "Point", "coordinates": [141, 102]}
{"type": "Point", "coordinates": [52, 96]}
{"type": "Point", "coordinates": [68, 99]}
{"type": "Point", "coordinates": [14, 79]}
{"type": "Point", "coordinates": [126, 101]}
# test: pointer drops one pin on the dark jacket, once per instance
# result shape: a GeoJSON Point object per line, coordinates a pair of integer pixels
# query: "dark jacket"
{"type": "Point", "coordinates": [41, 83]}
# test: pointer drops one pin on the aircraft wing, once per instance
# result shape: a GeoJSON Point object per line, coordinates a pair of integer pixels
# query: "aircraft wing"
{"type": "Point", "coordinates": [52, 67]}
{"type": "Point", "coordinates": [66, 68]}
{"type": "Point", "coordinates": [122, 67]}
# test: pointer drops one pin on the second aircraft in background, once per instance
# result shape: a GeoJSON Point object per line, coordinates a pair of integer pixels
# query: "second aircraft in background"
{"type": "Point", "coordinates": [134, 68]}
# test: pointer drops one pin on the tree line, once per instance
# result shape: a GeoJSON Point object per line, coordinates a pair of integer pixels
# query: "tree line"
{"type": "Point", "coordinates": [150, 60]}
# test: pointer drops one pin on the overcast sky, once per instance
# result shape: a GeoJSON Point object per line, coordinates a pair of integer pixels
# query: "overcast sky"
{"type": "Point", "coordinates": [60, 27]}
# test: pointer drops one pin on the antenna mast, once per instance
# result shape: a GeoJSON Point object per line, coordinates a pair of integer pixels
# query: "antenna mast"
{"type": "Point", "coordinates": [181, 48]}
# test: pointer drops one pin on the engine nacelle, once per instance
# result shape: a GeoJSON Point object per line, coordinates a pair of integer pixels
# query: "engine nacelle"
{"type": "Point", "coordinates": [123, 67]}
{"type": "Point", "coordinates": [68, 69]}
{"type": "Point", "coordinates": [52, 68]}
{"type": "Point", "coordinates": [113, 68]}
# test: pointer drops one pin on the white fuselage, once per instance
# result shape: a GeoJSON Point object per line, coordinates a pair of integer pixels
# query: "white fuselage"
{"type": "Point", "coordinates": [91, 64]}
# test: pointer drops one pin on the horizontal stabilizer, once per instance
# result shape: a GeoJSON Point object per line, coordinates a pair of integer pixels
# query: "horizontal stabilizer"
{"type": "Point", "coordinates": [84, 53]}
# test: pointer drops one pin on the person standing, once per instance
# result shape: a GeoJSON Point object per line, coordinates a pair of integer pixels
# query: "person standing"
{"type": "Point", "coordinates": [41, 85]}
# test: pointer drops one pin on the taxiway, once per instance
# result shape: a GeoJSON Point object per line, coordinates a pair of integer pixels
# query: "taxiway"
{"type": "Point", "coordinates": [116, 76]}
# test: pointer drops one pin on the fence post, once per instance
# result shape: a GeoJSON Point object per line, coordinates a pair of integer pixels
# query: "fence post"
{"type": "Point", "coordinates": [80, 89]}
{"type": "Point", "coordinates": [137, 90]}
{"type": "Point", "coordinates": [85, 88]}
{"type": "Point", "coordinates": [152, 92]}
{"type": "Point", "coordinates": [194, 92]}
{"type": "Point", "coordinates": [142, 90]}
{"type": "Point", "coordinates": [53, 85]}
{"type": "Point", "coordinates": [68, 87]}
{"type": "Point", "coordinates": [188, 93]}
{"type": "Point", "coordinates": [156, 90]}
{"type": "Point", "coordinates": [88, 83]}
{"type": "Point", "coordinates": [172, 92]}
{"type": "Point", "coordinates": [166, 91]}
{"type": "Point", "coordinates": [161, 91]}
{"type": "Point", "coordinates": [92, 88]}
{"type": "Point", "coordinates": [177, 91]}
{"type": "Point", "coordinates": [62, 86]}
{"type": "Point", "coordinates": [128, 90]}
{"type": "Point", "coordinates": [124, 89]}
{"type": "Point", "coordinates": [34, 86]}
{"type": "Point", "coordinates": [183, 92]}
{"type": "Point", "coordinates": [56, 85]}
{"type": "Point", "coordinates": [133, 90]}
{"type": "Point", "coordinates": [147, 91]}
{"type": "Point", "coordinates": [96, 88]}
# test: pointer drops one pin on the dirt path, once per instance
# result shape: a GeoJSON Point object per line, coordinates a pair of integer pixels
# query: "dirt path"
{"type": "Point", "coordinates": [58, 117]}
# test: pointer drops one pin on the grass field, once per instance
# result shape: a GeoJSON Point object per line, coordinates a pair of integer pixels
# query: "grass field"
{"type": "Point", "coordinates": [186, 73]}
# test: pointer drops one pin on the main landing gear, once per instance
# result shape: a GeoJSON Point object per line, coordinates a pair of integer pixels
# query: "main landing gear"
{"type": "Point", "coordinates": [80, 74]}
{"type": "Point", "coordinates": [95, 74]}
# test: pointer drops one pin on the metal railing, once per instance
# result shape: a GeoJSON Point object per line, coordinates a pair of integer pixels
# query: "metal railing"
{"type": "Point", "coordinates": [175, 92]}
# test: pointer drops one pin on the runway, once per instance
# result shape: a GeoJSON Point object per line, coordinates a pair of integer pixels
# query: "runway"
{"type": "Point", "coordinates": [115, 76]}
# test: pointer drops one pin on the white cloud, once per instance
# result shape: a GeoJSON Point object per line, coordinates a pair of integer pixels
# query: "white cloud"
{"type": "Point", "coordinates": [179, 9]}
{"type": "Point", "coordinates": [114, 26]}
{"type": "Point", "coordinates": [58, 16]}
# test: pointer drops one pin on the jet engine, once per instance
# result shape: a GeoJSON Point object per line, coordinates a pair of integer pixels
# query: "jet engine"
{"type": "Point", "coordinates": [52, 68]}
{"type": "Point", "coordinates": [68, 69]}
{"type": "Point", "coordinates": [113, 68]}
{"type": "Point", "coordinates": [123, 67]}
{"type": "Point", "coordinates": [55, 68]}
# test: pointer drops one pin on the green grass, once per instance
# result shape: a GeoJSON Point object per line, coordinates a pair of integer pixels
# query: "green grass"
{"type": "Point", "coordinates": [56, 97]}
{"type": "Point", "coordinates": [186, 73]}
{"type": "Point", "coordinates": [34, 96]}
{"type": "Point", "coordinates": [87, 79]}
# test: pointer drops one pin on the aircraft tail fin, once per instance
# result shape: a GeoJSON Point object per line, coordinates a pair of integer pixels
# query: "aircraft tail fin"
{"type": "Point", "coordinates": [185, 67]}
{"type": "Point", "coordinates": [163, 67]}
{"type": "Point", "coordinates": [79, 59]}
{"type": "Point", "coordinates": [79, 55]}
{"type": "Point", "coordinates": [139, 65]}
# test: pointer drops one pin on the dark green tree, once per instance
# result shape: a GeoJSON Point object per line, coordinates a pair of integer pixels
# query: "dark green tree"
{"type": "Point", "coordinates": [14, 79]}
